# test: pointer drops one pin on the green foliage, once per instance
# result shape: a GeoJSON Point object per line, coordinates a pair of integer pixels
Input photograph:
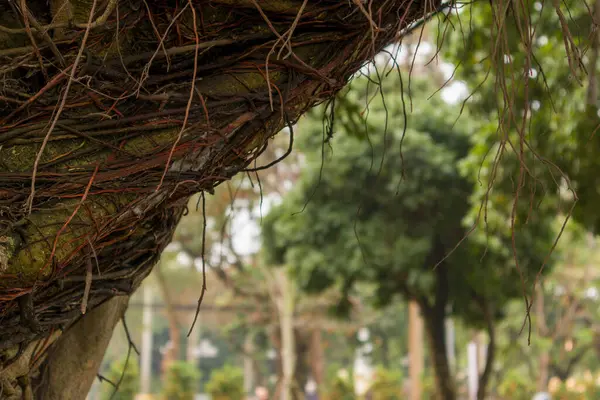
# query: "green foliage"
{"type": "Point", "coordinates": [226, 383]}
{"type": "Point", "coordinates": [555, 323]}
{"type": "Point", "coordinates": [387, 210]}
{"type": "Point", "coordinates": [544, 128]}
{"type": "Point", "coordinates": [516, 385]}
{"type": "Point", "coordinates": [387, 385]}
{"type": "Point", "coordinates": [579, 389]}
{"type": "Point", "coordinates": [181, 381]}
{"type": "Point", "coordinates": [128, 375]}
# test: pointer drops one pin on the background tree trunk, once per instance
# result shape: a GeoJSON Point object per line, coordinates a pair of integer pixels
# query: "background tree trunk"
{"type": "Point", "coordinates": [415, 350]}
{"type": "Point", "coordinates": [173, 351]}
{"type": "Point", "coordinates": [317, 357]}
{"type": "Point", "coordinates": [490, 353]}
{"type": "Point", "coordinates": [436, 335]}
{"type": "Point", "coordinates": [285, 306]}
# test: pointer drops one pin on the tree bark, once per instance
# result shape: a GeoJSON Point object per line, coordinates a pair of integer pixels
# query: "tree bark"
{"type": "Point", "coordinates": [415, 350]}
{"type": "Point", "coordinates": [317, 357]}
{"type": "Point", "coordinates": [285, 307]}
{"type": "Point", "coordinates": [490, 354]}
{"type": "Point", "coordinates": [173, 352]}
{"type": "Point", "coordinates": [146, 351]}
{"type": "Point", "coordinates": [435, 323]}
{"type": "Point", "coordinates": [436, 332]}
{"type": "Point", "coordinates": [73, 362]}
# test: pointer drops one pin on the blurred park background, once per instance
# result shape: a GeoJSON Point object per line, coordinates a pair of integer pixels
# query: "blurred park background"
{"type": "Point", "coordinates": [374, 261]}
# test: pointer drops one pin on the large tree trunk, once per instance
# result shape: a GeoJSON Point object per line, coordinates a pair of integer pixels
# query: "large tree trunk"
{"type": "Point", "coordinates": [74, 361]}
{"type": "Point", "coordinates": [111, 118]}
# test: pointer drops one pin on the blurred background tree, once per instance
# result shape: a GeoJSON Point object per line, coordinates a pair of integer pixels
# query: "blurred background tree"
{"type": "Point", "coordinates": [393, 214]}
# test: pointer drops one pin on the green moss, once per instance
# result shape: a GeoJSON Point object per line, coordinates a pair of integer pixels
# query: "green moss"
{"type": "Point", "coordinates": [146, 144]}
{"type": "Point", "coordinates": [21, 158]}
{"type": "Point", "coordinates": [81, 10]}
{"type": "Point", "coordinates": [228, 85]}
{"type": "Point", "coordinates": [31, 261]}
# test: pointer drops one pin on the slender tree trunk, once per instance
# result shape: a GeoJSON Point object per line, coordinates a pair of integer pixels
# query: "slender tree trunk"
{"type": "Point", "coordinates": [436, 332]}
{"type": "Point", "coordinates": [592, 92]}
{"type": "Point", "coordinates": [146, 352]}
{"type": "Point", "coordinates": [490, 354]}
{"type": "Point", "coordinates": [286, 322]}
{"type": "Point", "coordinates": [415, 350]}
{"type": "Point", "coordinates": [472, 368]}
{"type": "Point", "coordinates": [435, 324]}
{"type": "Point", "coordinates": [317, 357]}
{"type": "Point", "coordinates": [450, 342]}
{"type": "Point", "coordinates": [173, 352]}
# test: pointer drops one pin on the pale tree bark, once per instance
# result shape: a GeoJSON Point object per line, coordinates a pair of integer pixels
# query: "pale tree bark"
{"type": "Point", "coordinates": [77, 355]}
{"type": "Point", "coordinates": [173, 351]}
{"type": "Point", "coordinates": [283, 295]}
{"type": "Point", "coordinates": [285, 307]}
{"type": "Point", "coordinates": [317, 356]}
{"type": "Point", "coordinates": [415, 350]}
{"type": "Point", "coordinates": [146, 351]}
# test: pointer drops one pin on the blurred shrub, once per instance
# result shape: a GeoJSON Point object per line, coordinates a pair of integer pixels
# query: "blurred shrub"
{"type": "Point", "coordinates": [181, 381]}
{"type": "Point", "coordinates": [226, 383]}
{"type": "Point", "coordinates": [516, 385]}
{"type": "Point", "coordinates": [339, 385]}
{"type": "Point", "coordinates": [575, 388]}
{"type": "Point", "coordinates": [128, 376]}
{"type": "Point", "coordinates": [387, 385]}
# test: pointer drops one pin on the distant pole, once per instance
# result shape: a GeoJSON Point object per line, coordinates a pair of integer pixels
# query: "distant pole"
{"type": "Point", "coordinates": [450, 343]}
{"type": "Point", "coordinates": [415, 350]}
{"type": "Point", "coordinates": [472, 369]}
{"type": "Point", "coordinates": [146, 353]}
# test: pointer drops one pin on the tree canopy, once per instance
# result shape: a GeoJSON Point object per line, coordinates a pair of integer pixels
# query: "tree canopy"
{"type": "Point", "coordinates": [392, 209]}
